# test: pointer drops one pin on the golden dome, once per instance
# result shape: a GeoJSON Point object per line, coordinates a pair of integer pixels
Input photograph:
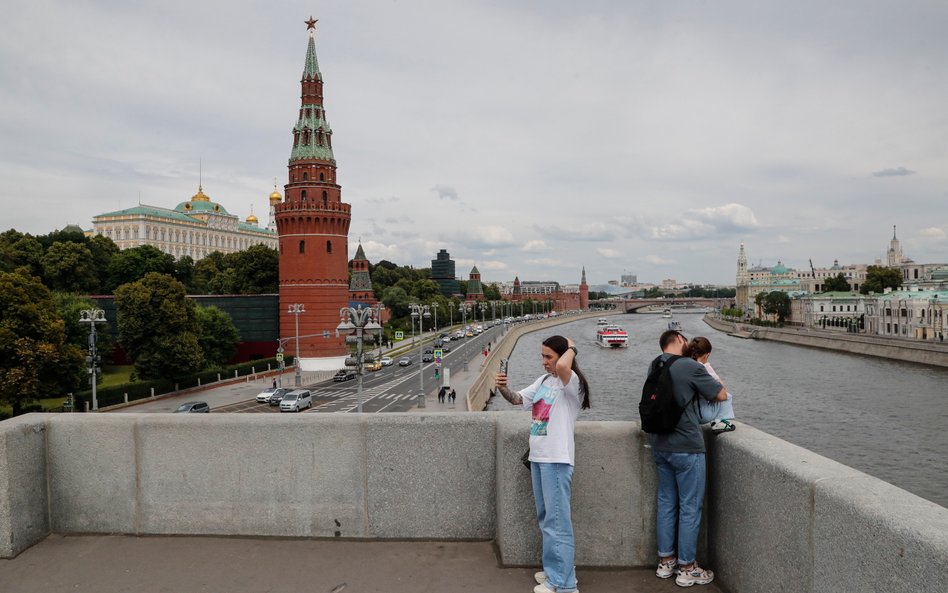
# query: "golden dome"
{"type": "Point", "coordinates": [200, 196]}
{"type": "Point", "coordinates": [275, 197]}
{"type": "Point", "coordinates": [251, 219]}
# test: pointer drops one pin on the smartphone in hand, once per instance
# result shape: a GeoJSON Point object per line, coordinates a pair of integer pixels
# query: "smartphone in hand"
{"type": "Point", "coordinates": [503, 366]}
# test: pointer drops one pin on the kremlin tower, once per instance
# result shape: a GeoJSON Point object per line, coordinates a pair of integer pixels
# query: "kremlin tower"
{"type": "Point", "coordinates": [313, 228]}
{"type": "Point", "coordinates": [583, 292]}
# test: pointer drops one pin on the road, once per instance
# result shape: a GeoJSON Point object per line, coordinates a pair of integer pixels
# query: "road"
{"type": "Point", "coordinates": [392, 389]}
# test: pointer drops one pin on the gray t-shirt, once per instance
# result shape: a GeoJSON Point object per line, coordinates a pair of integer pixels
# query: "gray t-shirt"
{"type": "Point", "coordinates": [688, 378]}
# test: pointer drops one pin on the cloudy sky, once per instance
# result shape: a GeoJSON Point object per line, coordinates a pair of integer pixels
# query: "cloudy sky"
{"type": "Point", "coordinates": [528, 138]}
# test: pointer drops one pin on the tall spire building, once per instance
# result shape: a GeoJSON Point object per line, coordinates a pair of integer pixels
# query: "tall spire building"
{"type": "Point", "coordinates": [313, 227]}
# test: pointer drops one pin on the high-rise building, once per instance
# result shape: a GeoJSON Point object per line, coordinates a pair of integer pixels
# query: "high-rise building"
{"type": "Point", "coordinates": [894, 255]}
{"type": "Point", "coordinates": [313, 227]}
{"type": "Point", "coordinates": [443, 272]}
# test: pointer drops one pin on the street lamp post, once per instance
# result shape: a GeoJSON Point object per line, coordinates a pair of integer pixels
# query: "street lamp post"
{"type": "Point", "coordinates": [359, 321]}
{"type": "Point", "coordinates": [420, 312]}
{"type": "Point", "coordinates": [296, 309]}
{"type": "Point", "coordinates": [92, 316]}
{"type": "Point", "coordinates": [464, 308]}
{"type": "Point", "coordinates": [435, 307]}
{"type": "Point", "coordinates": [451, 311]}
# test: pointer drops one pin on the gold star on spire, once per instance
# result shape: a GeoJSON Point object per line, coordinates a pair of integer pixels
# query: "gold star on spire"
{"type": "Point", "coordinates": [311, 23]}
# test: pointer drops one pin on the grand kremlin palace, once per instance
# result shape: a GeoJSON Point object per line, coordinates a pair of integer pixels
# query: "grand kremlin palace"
{"type": "Point", "coordinates": [197, 228]}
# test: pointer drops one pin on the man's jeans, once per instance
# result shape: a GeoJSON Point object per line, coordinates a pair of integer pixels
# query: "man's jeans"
{"type": "Point", "coordinates": [552, 492]}
{"type": "Point", "coordinates": [681, 478]}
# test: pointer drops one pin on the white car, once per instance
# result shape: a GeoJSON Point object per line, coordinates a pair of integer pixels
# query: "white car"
{"type": "Point", "coordinates": [264, 396]}
{"type": "Point", "coordinates": [386, 361]}
{"type": "Point", "coordinates": [296, 400]}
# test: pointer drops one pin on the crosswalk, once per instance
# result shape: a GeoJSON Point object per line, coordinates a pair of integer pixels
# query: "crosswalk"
{"type": "Point", "coordinates": [346, 401]}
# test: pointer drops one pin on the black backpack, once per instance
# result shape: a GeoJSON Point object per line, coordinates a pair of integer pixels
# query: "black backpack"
{"type": "Point", "coordinates": [658, 409]}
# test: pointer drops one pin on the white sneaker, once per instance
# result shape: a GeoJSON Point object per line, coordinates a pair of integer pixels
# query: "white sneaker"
{"type": "Point", "coordinates": [540, 577]}
{"type": "Point", "coordinates": [722, 425]}
{"type": "Point", "coordinates": [694, 576]}
{"type": "Point", "coordinates": [667, 569]}
{"type": "Point", "coordinates": [544, 588]}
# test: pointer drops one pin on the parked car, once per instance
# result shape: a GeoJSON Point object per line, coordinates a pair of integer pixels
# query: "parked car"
{"type": "Point", "coordinates": [296, 400]}
{"type": "Point", "coordinates": [387, 361]}
{"type": "Point", "coordinates": [264, 396]}
{"type": "Point", "coordinates": [375, 365]}
{"type": "Point", "coordinates": [193, 408]}
{"type": "Point", "coordinates": [344, 375]}
{"type": "Point", "coordinates": [404, 361]}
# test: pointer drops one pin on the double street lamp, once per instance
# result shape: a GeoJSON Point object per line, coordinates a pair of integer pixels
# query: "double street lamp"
{"type": "Point", "coordinates": [465, 309]}
{"type": "Point", "coordinates": [363, 323]}
{"type": "Point", "coordinates": [296, 309]}
{"type": "Point", "coordinates": [92, 316]}
{"type": "Point", "coordinates": [420, 312]}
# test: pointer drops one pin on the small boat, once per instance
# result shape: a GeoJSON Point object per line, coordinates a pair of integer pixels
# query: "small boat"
{"type": "Point", "coordinates": [602, 321]}
{"type": "Point", "coordinates": [674, 325]}
{"type": "Point", "coordinates": [666, 312]}
{"type": "Point", "coordinates": [612, 336]}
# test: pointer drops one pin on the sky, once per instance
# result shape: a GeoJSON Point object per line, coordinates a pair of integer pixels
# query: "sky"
{"type": "Point", "coordinates": [528, 138]}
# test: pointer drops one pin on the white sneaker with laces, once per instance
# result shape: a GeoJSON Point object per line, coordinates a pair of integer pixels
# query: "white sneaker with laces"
{"type": "Point", "coordinates": [667, 569]}
{"type": "Point", "coordinates": [539, 577]}
{"type": "Point", "coordinates": [694, 576]}
{"type": "Point", "coordinates": [545, 588]}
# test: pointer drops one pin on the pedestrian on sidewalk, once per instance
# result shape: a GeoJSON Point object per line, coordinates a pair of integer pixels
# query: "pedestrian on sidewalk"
{"type": "Point", "coordinates": [453, 396]}
{"type": "Point", "coordinates": [555, 400]}
{"type": "Point", "coordinates": [274, 383]}
{"type": "Point", "coordinates": [441, 393]}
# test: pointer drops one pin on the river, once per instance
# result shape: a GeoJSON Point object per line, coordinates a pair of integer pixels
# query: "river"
{"type": "Point", "coordinates": [886, 418]}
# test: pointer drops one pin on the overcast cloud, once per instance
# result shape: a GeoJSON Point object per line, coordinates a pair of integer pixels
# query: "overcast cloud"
{"type": "Point", "coordinates": [527, 138]}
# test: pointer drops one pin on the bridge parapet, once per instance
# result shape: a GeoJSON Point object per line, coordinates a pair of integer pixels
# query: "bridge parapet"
{"type": "Point", "coordinates": [815, 524]}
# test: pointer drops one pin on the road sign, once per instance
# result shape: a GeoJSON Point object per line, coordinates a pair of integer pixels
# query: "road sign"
{"type": "Point", "coordinates": [280, 350]}
{"type": "Point", "coordinates": [279, 357]}
{"type": "Point", "coordinates": [399, 335]}
{"type": "Point", "coordinates": [438, 354]}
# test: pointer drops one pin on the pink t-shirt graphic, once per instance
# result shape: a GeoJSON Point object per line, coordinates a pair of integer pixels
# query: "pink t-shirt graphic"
{"type": "Point", "coordinates": [542, 404]}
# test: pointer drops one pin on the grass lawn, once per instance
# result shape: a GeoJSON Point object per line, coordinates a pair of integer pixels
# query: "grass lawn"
{"type": "Point", "coordinates": [115, 375]}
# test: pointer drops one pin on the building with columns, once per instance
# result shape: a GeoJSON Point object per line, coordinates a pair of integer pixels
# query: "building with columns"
{"type": "Point", "coordinates": [194, 228]}
{"type": "Point", "coordinates": [313, 228]}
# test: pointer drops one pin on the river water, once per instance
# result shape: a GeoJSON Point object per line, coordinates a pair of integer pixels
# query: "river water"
{"type": "Point", "coordinates": [886, 418]}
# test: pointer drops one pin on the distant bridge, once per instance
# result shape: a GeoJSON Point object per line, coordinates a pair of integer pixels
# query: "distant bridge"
{"type": "Point", "coordinates": [636, 305]}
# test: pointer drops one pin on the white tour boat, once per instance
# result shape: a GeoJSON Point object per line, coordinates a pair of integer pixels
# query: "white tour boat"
{"type": "Point", "coordinates": [666, 312]}
{"type": "Point", "coordinates": [612, 336]}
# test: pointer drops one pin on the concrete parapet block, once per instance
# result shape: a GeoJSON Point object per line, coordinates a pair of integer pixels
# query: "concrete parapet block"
{"type": "Point", "coordinates": [430, 476]}
{"type": "Point", "coordinates": [264, 475]}
{"type": "Point", "coordinates": [92, 473]}
{"type": "Point", "coordinates": [761, 512]}
{"type": "Point", "coordinates": [869, 535]}
{"type": "Point", "coordinates": [613, 521]}
{"type": "Point", "coordinates": [24, 517]}
{"type": "Point", "coordinates": [518, 536]}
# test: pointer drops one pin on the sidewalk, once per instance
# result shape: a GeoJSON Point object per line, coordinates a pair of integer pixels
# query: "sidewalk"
{"type": "Point", "coordinates": [122, 564]}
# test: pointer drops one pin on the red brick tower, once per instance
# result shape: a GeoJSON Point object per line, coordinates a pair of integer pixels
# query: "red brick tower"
{"type": "Point", "coordinates": [313, 228]}
{"type": "Point", "coordinates": [583, 292]}
{"type": "Point", "coordinates": [360, 284]}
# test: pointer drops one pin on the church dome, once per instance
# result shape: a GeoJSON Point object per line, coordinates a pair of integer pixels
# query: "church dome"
{"type": "Point", "coordinates": [252, 219]}
{"type": "Point", "coordinates": [275, 197]}
{"type": "Point", "coordinates": [200, 196]}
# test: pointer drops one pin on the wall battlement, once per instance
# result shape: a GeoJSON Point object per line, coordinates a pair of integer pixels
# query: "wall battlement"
{"type": "Point", "coordinates": [818, 525]}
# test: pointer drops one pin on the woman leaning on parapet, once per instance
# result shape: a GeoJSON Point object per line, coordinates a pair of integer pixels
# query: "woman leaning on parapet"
{"type": "Point", "coordinates": [555, 400]}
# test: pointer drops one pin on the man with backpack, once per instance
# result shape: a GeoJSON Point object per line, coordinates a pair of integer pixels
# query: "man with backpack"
{"type": "Point", "coordinates": [670, 414]}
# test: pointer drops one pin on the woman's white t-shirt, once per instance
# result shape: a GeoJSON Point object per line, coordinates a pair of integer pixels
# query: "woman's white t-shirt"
{"type": "Point", "coordinates": [555, 408]}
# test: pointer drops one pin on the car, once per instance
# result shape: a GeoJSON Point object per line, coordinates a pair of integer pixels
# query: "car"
{"type": "Point", "coordinates": [296, 400]}
{"type": "Point", "coordinates": [427, 357]}
{"type": "Point", "coordinates": [387, 361]}
{"type": "Point", "coordinates": [438, 343]}
{"type": "Point", "coordinates": [404, 361]}
{"type": "Point", "coordinates": [264, 396]}
{"type": "Point", "coordinates": [446, 348]}
{"type": "Point", "coordinates": [193, 408]}
{"type": "Point", "coordinates": [277, 396]}
{"type": "Point", "coordinates": [375, 365]}
{"type": "Point", "coordinates": [344, 375]}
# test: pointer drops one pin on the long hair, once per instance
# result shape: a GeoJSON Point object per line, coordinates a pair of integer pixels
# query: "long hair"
{"type": "Point", "coordinates": [699, 347]}
{"type": "Point", "coordinates": [559, 345]}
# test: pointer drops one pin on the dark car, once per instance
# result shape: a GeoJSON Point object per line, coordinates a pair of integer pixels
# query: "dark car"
{"type": "Point", "coordinates": [344, 375]}
{"type": "Point", "coordinates": [193, 408]}
{"type": "Point", "coordinates": [446, 348]}
{"type": "Point", "coordinates": [277, 396]}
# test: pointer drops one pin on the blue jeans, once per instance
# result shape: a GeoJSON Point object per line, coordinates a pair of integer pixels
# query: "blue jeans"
{"type": "Point", "coordinates": [681, 478]}
{"type": "Point", "coordinates": [552, 492]}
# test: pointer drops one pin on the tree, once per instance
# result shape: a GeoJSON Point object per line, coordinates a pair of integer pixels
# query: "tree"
{"type": "Point", "coordinates": [133, 264]}
{"type": "Point", "coordinates": [17, 249]}
{"type": "Point", "coordinates": [759, 300]}
{"type": "Point", "coordinates": [258, 269]}
{"type": "Point", "coordinates": [68, 267]}
{"type": "Point", "coordinates": [217, 336]}
{"type": "Point", "coordinates": [35, 359]}
{"type": "Point", "coordinates": [777, 303]}
{"type": "Point", "coordinates": [157, 327]}
{"type": "Point", "coordinates": [837, 283]}
{"type": "Point", "coordinates": [878, 278]}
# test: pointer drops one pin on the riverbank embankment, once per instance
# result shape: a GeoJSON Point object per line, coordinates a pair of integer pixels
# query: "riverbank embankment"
{"type": "Point", "coordinates": [935, 354]}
